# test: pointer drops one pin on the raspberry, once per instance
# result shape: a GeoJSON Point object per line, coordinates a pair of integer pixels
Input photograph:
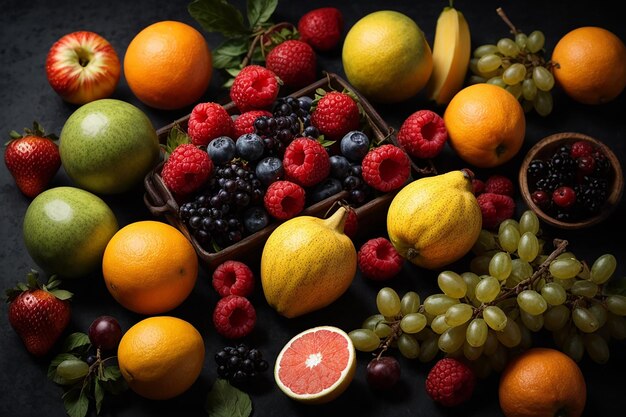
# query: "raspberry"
{"type": "Point", "coordinates": [386, 168]}
{"type": "Point", "coordinates": [234, 316]}
{"type": "Point", "coordinates": [423, 134]}
{"type": "Point", "coordinates": [186, 169]}
{"type": "Point", "coordinates": [209, 121]}
{"type": "Point", "coordinates": [284, 199]}
{"type": "Point", "coordinates": [379, 260]}
{"type": "Point", "coordinates": [351, 226]}
{"type": "Point", "coordinates": [450, 382]}
{"type": "Point", "coordinates": [244, 123]}
{"type": "Point", "coordinates": [306, 162]}
{"type": "Point", "coordinates": [499, 184]}
{"type": "Point", "coordinates": [321, 28]}
{"type": "Point", "coordinates": [478, 187]}
{"type": "Point", "coordinates": [495, 208]}
{"type": "Point", "coordinates": [294, 62]}
{"type": "Point", "coordinates": [335, 115]}
{"type": "Point", "coordinates": [581, 148]}
{"type": "Point", "coordinates": [255, 87]}
{"type": "Point", "coordinates": [233, 277]}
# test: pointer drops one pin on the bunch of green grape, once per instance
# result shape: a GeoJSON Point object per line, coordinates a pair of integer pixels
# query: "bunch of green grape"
{"type": "Point", "coordinates": [512, 290]}
{"type": "Point", "coordinates": [518, 66]}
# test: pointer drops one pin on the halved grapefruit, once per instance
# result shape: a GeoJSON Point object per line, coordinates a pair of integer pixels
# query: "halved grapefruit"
{"type": "Point", "coordinates": [317, 365]}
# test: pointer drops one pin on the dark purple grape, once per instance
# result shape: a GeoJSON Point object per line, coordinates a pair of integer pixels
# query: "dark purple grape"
{"type": "Point", "coordinates": [105, 333]}
{"type": "Point", "coordinates": [383, 373]}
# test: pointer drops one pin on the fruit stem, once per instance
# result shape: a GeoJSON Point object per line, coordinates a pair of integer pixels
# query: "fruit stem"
{"type": "Point", "coordinates": [261, 37]}
{"type": "Point", "coordinates": [504, 17]}
{"type": "Point", "coordinates": [395, 333]}
{"type": "Point", "coordinates": [411, 253]}
{"type": "Point", "coordinates": [338, 219]}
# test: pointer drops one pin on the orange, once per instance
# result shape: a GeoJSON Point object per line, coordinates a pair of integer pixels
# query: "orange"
{"type": "Point", "coordinates": [317, 365]}
{"type": "Point", "coordinates": [486, 125]}
{"type": "Point", "coordinates": [168, 65]}
{"type": "Point", "coordinates": [542, 382]}
{"type": "Point", "coordinates": [149, 267]}
{"type": "Point", "coordinates": [161, 357]}
{"type": "Point", "coordinates": [590, 65]}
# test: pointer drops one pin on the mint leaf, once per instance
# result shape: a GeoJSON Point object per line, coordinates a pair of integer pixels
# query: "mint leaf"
{"type": "Point", "coordinates": [224, 400]}
{"type": "Point", "coordinates": [98, 393]}
{"type": "Point", "coordinates": [218, 16]}
{"type": "Point", "coordinates": [76, 402]}
{"type": "Point", "coordinates": [75, 341]}
{"type": "Point", "coordinates": [259, 11]}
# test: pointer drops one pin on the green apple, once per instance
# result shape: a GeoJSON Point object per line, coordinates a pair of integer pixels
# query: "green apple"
{"type": "Point", "coordinates": [66, 230]}
{"type": "Point", "coordinates": [108, 146]}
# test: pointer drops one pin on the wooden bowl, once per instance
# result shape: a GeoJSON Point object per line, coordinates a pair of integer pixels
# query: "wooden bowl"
{"type": "Point", "coordinates": [543, 150]}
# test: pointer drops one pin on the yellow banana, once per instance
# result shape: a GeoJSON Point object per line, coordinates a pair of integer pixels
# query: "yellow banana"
{"type": "Point", "coordinates": [451, 55]}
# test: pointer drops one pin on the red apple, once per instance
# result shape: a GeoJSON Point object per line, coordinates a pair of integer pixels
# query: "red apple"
{"type": "Point", "coordinates": [82, 67]}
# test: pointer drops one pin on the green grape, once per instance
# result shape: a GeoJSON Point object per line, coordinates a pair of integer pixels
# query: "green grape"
{"type": "Point", "coordinates": [459, 314]}
{"type": "Point", "coordinates": [410, 303]}
{"type": "Point", "coordinates": [527, 336]}
{"type": "Point", "coordinates": [471, 279]}
{"type": "Point", "coordinates": [515, 90]}
{"type": "Point", "coordinates": [487, 289]}
{"type": "Point", "coordinates": [528, 247]}
{"type": "Point", "coordinates": [617, 326]}
{"type": "Point", "coordinates": [497, 80]}
{"type": "Point", "coordinates": [616, 304]}
{"type": "Point", "coordinates": [553, 293]}
{"type": "Point", "coordinates": [500, 266]}
{"type": "Point", "coordinates": [438, 303]}
{"type": "Point", "coordinates": [452, 339]}
{"type": "Point", "coordinates": [388, 302]}
{"type": "Point", "coordinates": [585, 320]}
{"type": "Point", "coordinates": [543, 103]}
{"type": "Point", "coordinates": [529, 222]}
{"type": "Point", "coordinates": [507, 222]}
{"type": "Point", "coordinates": [566, 255]}
{"type": "Point", "coordinates": [439, 325]}
{"type": "Point", "coordinates": [508, 47]}
{"type": "Point", "coordinates": [510, 336]}
{"type": "Point", "coordinates": [483, 50]}
{"type": "Point", "coordinates": [509, 236]}
{"type": "Point", "coordinates": [372, 321]}
{"type": "Point", "coordinates": [364, 340]}
{"type": "Point", "coordinates": [527, 106]}
{"type": "Point", "coordinates": [476, 79]}
{"type": "Point", "coordinates": [499, 359]}
{"type": "Point", "coordinates": [473, 66]}
{"type": "Point", "coordinates": [532, 302]}
{"type": "Point", "coordinates": [476, 333]}
{"type": "Point", "coordinates": [596, 347]}
{"type": "Point", "coordinates": [584, 288]}
{"type": "Point", "coordinates": [535, 41]}
{"type": "Point", "coordinates": [408, 346]}
{"type": "Point", "coordinates": [383, 330]}
{"type": "Point", "coordinates": [603, 268]}
{"type": "Point", "coordinates": [495, 318]}
{"type": "Point", "coordinates": [600, 312]}
{"type": "Point", "coordinates": [429, 348]}
{"type": "Point", "coordinates": [72, 370]}
{"type": "Point", "coordinates": [485, 242]}
{"type": "Point", "coordinates": [491, 343]}
{"type": "Point", "coordinates": [538, 285]}
{"type": "Point", "coordinates": [480, 264]}
{"type": "Point", "coordinates": [514, 74]}
{"type": "Point", "coordinates": [413, 323]}
{"type": "Point", "coordinates": [555, 318]}
{"type": "Point", "coordinates": [565, 268]}
{"type": "Point", "coordinates": [543, 78]}
{"type": "Point", "coordinates": [488, 63]}
{"type": "Point", "coordinates": [533, 323]}
{"type": "Point", "coordinates": [452, 284]}
{"type": "Point", "coordinates": [472, 353]}
{"type": "Point", "coordinates": [520, 270]}
{"type": "Point", "coordinates": [521, 39]}
{"type": "Point", "coordinates": [573, 346]}
{"type": "Point", "coordinates": [560, 336]}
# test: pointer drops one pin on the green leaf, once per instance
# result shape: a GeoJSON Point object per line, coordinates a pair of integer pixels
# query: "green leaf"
{"type": "Point", "coordinates": [224, 400]}
{"type": "Point", "coordinates": [52, 368]}
{"type": "Point", "coordinates": [229, 83]}
{"type": "Point", "coordinates": [62, 294]}
{"type": "Point", "coordinates": [111, 373]}
{"type": "Point", "coordinates": [98, 393]}
{"type": "Point", "coordinates": [75, 341]}
{"type": "Point", "coordinates": [233, 71]}
{"type": "Point", "coordinates": [76, 402]}
{"type": "Point", "coordinates": [226, 61]}
{"type": "Point", "coordinates": [260, 11]}
{"type": "Point", "coordinates": [233, 47]}
{"type": "Point", "coordinates": [218, 16]}
{"type": "Point", "coordinates": [175, 137]}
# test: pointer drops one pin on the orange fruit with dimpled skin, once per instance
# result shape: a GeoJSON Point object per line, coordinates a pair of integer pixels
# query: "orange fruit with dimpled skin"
{"type": "Point", "coordinates": [590, 65]}
{"type": "Point", "coordinates": [486, 125]}
{"type": "Point", "coordinates": [542, 382]}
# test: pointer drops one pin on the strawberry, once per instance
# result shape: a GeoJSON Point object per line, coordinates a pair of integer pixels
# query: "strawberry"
{"type": "Point", "coordinates": [32, 159]}
{"type": "Point", "coordinates": [335, 114]}
{"type": "Point", "coordinates": [321, 28]}
{"type": "Point", "coordinates": [294, 62]}
{"type": "Point", "coordinates": [39, 314]}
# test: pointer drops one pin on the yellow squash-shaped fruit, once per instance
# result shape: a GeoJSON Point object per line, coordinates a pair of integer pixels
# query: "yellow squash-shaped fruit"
{"type": "Point", "coordinates": [435, 221]}
{"type": "Point", "coordinates": [307, 263]}
{"type": "Point", "coordinates": [451, 56]}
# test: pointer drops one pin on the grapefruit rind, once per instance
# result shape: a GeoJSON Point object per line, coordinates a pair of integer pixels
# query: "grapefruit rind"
{"type": "Point", "coordinates": [333, 391]}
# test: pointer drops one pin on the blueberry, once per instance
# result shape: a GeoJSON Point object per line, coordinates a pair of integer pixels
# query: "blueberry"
{"type": "Point", "coordinates": [328, 187]}
{"type": "Point", "coordinates": [354, 145]}
{"type": "Point", "coordinates": [255, 218]}
{"type": "Point", "coordinates": [305, 102]}
{"type": "Point", "coordinates": [311, 132]}
{"type": "Point", "coordinates": [221, 149]}
{"type": "Point", "coordinates": [250, 146]}
{"type": "Point", "coordinates": [269, 169]}
{"type": "Point", "coordinates": [339, 167]}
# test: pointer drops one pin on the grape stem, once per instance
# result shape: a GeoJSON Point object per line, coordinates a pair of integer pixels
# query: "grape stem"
{"type": "Point", "coordinates": [395, 333]}
{"type": "Point", "coordinates": [504, 17]}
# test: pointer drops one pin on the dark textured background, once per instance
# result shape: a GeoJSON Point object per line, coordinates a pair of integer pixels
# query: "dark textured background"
{"type": "Point", "coordinates": [28, 29]}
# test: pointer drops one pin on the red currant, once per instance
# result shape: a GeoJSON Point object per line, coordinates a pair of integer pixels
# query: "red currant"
{"type": "Point", "coordinates": [540, 198]}
{"type": "Point", "coordinates": [564, 196]}
{"type": "Point", "coordinates": [586, 164]}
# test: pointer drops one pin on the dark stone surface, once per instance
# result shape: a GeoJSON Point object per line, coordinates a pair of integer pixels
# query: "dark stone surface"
{"type": "Point", "coordinates": [28, 29]}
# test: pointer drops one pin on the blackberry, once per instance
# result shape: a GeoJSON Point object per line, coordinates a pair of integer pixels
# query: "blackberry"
{"type": "Point", "coordinates": [602, 166]}
{"type": "Point", "coordinates": [563, 163]}
{"type": "Point", "coordinates": [537, 169]}
{"type": "Point", "coordinates": [552, 181]}
{"type": "Point", "coordinates": [592, 194]}
{"type": "Point", "coordinates": [240, 364]}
